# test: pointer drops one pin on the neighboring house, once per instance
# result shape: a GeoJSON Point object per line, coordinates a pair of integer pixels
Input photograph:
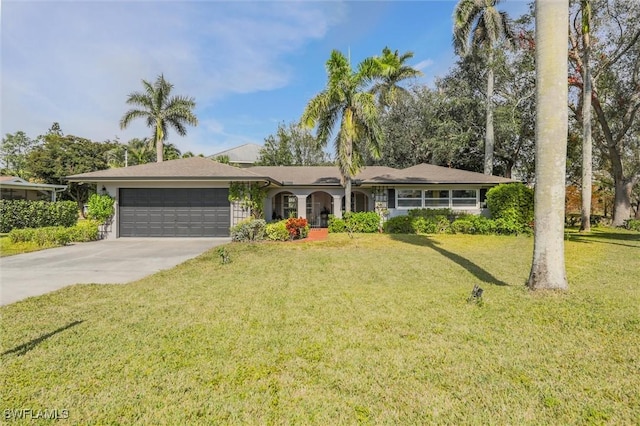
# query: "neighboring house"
{"type": "Point", "coordinates": [242, 156]}
{"type": "Point", "coordinates": [15, 188]}
{"type": "Point", "coordinates": [189, 197]}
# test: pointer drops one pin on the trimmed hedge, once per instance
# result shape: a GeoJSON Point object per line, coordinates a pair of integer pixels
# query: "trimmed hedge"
{"type": "Point", "coordinates": [418, 223]}
{"type": "Point", "coordinates": [511, 206]}
{"type": "Point", "coordinates": [19, 214]}
{"type": "Point", "coordinates": [441, 222]}
{"type": "Point", "coordinates": [57, 235]}
{"type": "Point", "coordinates": [473, 224]}
{"type": "Point", "coordinates": [431, 213]}
{"type": "Point", "coordinates": [399, 225]}
{"type": "Point", "coordinates": [361, 222]}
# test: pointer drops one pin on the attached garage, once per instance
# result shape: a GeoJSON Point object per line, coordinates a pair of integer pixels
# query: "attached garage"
{"type": "Point", "coordinates": [174, 212]}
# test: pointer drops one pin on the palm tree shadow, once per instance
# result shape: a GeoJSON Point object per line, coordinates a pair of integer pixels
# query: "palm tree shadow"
{"type": "Point", "coordinates": [606, 238]}
{"type": "Point", "coordinates": [471, 267]}
{"type": "Point", "coordinates": [26, 347]}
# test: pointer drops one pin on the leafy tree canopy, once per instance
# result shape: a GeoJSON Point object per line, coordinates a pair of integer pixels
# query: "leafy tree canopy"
{"type": "Point", "coordinates": [60, 156]}
{"type": "Point", "coordinates": [292, 145]}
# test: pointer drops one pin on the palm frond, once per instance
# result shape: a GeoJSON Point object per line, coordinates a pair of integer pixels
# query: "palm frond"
{"type": "Point", "coordinates": [130, 115]}
{"type": "Point", "coordinates": [465, 15]}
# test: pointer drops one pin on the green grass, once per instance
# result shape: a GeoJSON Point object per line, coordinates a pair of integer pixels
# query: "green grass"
{"type": "Point", "coordinates": [8, 248]}
{"type": "Point", "coordinates": [374, 329]}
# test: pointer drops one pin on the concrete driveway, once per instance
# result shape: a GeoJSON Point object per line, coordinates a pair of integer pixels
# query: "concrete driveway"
{"type": "Point", "coordinates": [112, 261]}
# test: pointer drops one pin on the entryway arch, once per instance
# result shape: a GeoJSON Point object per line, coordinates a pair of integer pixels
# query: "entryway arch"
{"type": "Point", "coordinates": [319, 207]}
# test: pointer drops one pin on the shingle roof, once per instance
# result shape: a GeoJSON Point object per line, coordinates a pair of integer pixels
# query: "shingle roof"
{"type": "Point", "coordinates": [430, 174]}
{"type": "Point", "coordinates": [300, 175]}
{"type": "Point", "coordinates": [248, 153]}
{"type": "Point", "coordinates": [420, 174]}
{"type": "Point", "coordinates": [204, 168]}
{"type": "Point", "coordinates": [183, 168]}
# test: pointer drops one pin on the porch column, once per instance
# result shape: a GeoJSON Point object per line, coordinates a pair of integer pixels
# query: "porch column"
{"type": "Point", "coordinates": [268, 209]}
{"type": "Point", "coordinates": [302, 206]}
{"type": "Point", "coordinates": [337, 206]}
{"type": "Point", "coordinates": [371, 202]}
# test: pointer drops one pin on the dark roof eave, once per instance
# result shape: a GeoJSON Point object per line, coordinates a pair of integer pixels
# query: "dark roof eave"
{"type": "Point", "coordinates": [427, 182]}
{"type": "Point", "coordinates": [170, 178]}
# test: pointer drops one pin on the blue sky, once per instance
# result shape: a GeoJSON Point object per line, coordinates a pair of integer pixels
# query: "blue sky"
{"type": "Point", "coordinates": [249, 64]}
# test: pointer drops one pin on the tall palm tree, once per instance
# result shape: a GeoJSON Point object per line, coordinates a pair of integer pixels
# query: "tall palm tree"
{"type": "Point", "coordinates": [160, 110]}
{"type": "Point", "coordinates": [393, 70]}
{"type": "Point", "coordinates": [587, 154]}
{"type": "Point", "coordinates": [548, 268]}
{"type": "Point", "coordinates": [346, 101]}
{"type": "Point", "coordinates": [478, 25]}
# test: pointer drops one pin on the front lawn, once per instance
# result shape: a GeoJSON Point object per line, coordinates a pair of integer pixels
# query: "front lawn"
{"type": "Point", "coordinates": [374, 329]}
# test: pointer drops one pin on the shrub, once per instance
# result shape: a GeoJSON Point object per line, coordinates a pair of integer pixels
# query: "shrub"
{"type": "Point", "coordinates": [511, 205]}
{"type": "Point", "coordinates": [510, 227]}
{"type": "Point", "coordinates": [277, 231]}
{"type": "Point", "coordinates": [473, 224]}
{"type": "Point", "coordinates": [100, 208]}
{"type": "Point", "coordinates": [57, 235]}
{"type": "Point", "coordinates": [84, 231]}
{"type": "Point", "coordinates": [336, 224]}
{"type": "Point", "coordinates": [633, 224]}
{"type": "Point", "coordinates": [430, 213]}
{"type": "Point", "coordinates": [462, 226]}
{"type": "Point", "coordinates": [399, 225]}
{"type": "Point", "coordinates": [362, 222]}
{"type": "Point", "coordinates": [430, 224]}
{"type": "Point", "coordinates": [248, 230]}
{"type": "Point", "coordinates": [297, 227]}
{"type": "Point", "coordinates": [18, 214]}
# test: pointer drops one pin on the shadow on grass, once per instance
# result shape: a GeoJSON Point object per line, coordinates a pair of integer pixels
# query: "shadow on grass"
{"type": "Point", "coordinates": [424, 241]}
{"type": "Point", "coordinates": [602, 237]}
{"type": "Point", "coordinates": [26, 347]}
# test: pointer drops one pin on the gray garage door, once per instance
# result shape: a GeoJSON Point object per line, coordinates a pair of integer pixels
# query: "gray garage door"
{"type": "Point", "coordinates": [174, 212]}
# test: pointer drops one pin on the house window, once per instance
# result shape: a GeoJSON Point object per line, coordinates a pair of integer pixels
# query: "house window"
{"type": "Point", "coordinates": [409, 198]}
{"type": "Point", "coordinates": [464, 197]}
{"type": "Point", "coordinates": [436, 198]}
{"type": "Point", "coordinates": [289, 206]}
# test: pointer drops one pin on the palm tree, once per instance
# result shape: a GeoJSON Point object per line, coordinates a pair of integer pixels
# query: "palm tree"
{"type": "Point", "coordinates": [393, 70]}
{"type": "Point", "coordinates": [171, 152]}
{"type": "Point", "coordinates": [139, 151]}
{"type": "Point", "coordinates": [587, 155]}
{"type": "Point", "coordinates": [160, 110]}
{"type": "Point", "coordinates": [477, 24]}
{"type": "Point", "coordinates": [346, 101]}
{"type": "Point", "coordinates": [548, 268]}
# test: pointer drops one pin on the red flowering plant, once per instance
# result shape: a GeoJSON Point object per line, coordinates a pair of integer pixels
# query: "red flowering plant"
{"type": "Point", "coordinates": [297, 227]}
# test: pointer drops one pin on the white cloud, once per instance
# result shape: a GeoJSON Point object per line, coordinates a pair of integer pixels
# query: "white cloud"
{"type": "Point", "coordinates": [76, 62]}
{"type": "Point", "coordinates": [423, 64]}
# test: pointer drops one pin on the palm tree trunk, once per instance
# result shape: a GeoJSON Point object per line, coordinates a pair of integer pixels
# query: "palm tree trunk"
{"type": "Point", "coordinates": [347, 177]}
{"type": "Point", "coordinates": [489, 139]}
{"type": "Point", "coordinates": [548, 267]}
{"type": "Point", "coordinates": [347, 194]}
{"type": "Point", "coordinates": [159, 144]}
{"type": "Point", "coordinates": [587, 161]}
